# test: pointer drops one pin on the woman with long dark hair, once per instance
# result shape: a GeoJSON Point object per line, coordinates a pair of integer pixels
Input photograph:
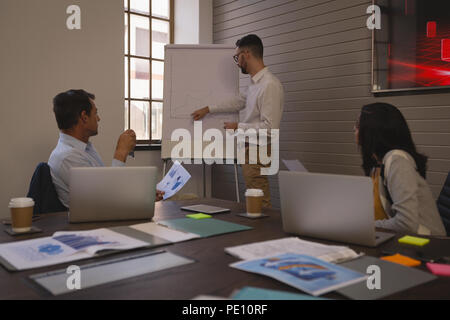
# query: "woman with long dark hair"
{"type": "Point", "coordinates": [403, 200]}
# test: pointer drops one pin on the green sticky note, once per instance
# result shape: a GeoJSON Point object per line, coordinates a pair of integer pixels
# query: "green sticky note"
{"type": "Point", "coordinates": [414, 241]}
{"type": "Point", "coordinates": [198, 216]}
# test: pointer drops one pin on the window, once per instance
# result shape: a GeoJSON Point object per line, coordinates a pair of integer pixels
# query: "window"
{"type": "Point", "coordinates": [148, 28]}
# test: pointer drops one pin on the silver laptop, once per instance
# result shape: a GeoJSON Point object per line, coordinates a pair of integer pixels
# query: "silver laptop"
{"type": "Point", "coordinates": [332, 207]}
{"type": "Point", "coordinates": [112, 193]}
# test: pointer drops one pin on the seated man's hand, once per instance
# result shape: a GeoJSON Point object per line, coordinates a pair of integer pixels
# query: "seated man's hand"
{"type": "Point", "coordinates": [125, 144]}
{"type": "Point", "coordinates": [159, 195]}
{"type": "Point", "coordinates": [230, 125]}
{"type": "Point", "coordinates": [200, 113]}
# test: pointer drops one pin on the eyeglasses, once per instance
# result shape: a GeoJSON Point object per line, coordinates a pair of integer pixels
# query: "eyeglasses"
{"type": "Point", "coordinates": [236, 56]}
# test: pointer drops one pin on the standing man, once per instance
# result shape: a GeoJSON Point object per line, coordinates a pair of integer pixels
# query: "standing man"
{"type": "Point", "coordinates": [260, 108]}
{"type": "Point", "coordinates": [77, 118]}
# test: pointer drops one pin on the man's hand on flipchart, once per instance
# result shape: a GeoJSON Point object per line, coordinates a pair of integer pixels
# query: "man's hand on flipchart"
{"type": "Point", "coordinates": [200, 113]}
{"type": "Point", "coordinates": [231, 125]}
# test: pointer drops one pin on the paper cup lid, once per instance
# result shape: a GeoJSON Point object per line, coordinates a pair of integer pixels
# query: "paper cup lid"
{"type": "Point", "coordinates": [21, 203]}
{"type": "Point", "coordinates": [254, 193]}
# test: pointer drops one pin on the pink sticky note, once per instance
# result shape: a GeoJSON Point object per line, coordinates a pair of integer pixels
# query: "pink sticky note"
{"type": "Point", "coordinates": [439, 269]}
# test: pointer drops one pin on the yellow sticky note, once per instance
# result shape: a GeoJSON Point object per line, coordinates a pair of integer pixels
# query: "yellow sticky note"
{"type": "Point", "coordinates": [198, 216]}
{"type": "Point", "coordinates": [414, 241]}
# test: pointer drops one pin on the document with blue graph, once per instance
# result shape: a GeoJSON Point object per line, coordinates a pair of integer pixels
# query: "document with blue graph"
{"type": "Point", "coordinates": [174, 180]}
{"type": "Point", "coordinates": [306, 273]}
{"type": "Point", "coordinates": [64, 247]}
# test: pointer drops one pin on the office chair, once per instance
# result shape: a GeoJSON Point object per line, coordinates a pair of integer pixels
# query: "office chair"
{"type": "Point", "coordinates": [43, 191]}
{"type": "Point", "coordinates": [443, 204]}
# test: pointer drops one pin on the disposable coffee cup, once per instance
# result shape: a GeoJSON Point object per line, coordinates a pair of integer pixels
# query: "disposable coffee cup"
{"type": "Point", "coordinates": [254, 198]}
{"type": "Point", "coordinates": [21, 214]}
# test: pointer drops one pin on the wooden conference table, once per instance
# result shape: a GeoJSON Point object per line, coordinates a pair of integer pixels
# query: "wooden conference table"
{"type": "Point", "coordinates": [209, 275]}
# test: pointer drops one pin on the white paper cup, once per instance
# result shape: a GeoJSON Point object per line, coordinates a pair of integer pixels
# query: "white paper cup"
{"type": "Point", "coordinates": [21, 214]}
{"type": "Point", "coordinates": [254, 199]}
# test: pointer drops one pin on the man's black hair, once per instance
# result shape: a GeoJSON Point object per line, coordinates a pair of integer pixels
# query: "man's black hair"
{"type": "Point", "coordinates": [253, 43]}
{"type": "Point", "coordinates": [69, 105]}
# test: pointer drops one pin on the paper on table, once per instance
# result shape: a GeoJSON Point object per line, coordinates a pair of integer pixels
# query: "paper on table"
{"type": "Point", "coordinates": [253, 293]}
{"type": "Point", "coordinates": [93, 241]}
{"type": "Point", "coordinates": [309, 274]}
{"type": "Point", "coordinates": [294, 165]}
{"type": "Point", "coordinates": [174, 180]}
{"type": "Point", "coordinates": [164, 232]}
{"type": "Point", "coordinates": [269, 248]}
{"type": "Point", "coordinates": [64, 247]}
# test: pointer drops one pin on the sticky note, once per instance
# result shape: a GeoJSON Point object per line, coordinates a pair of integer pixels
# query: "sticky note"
{"type": "Point", "coordinates": [439, 269]}
{"type": "Point", "coordinates": [403, 260]}
{"type": "Point", "coordinates": [414, 241]}
{"type": "Point", "coordinates": [198, 216]}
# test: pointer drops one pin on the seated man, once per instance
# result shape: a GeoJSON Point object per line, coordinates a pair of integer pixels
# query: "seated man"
{"type": "Point", "coordinates": [77, 118]}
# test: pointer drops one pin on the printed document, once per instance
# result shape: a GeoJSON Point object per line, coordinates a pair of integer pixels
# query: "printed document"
{"type": "Point", "coordinates": [309, 274]}
{"type": "Point", "coordinates": [256, 250]}
{"type": "Point", "coordinates": [65, 246]}
{"type": "Point", "coordinates": [174, 180]}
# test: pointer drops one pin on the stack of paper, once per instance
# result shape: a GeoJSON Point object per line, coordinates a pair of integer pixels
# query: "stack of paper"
{"type": "Point", "coordinates": [334, 254]}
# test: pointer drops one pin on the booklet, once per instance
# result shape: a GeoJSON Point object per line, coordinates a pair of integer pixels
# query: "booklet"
{"type": "Point", "coordinates": [306, 273]}
{"type": "Point", "coordinates": [174, 180]}
{"type": "Point", "coordinates": [64, 247]}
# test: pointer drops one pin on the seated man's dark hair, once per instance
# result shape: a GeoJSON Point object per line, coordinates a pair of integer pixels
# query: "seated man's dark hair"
{"type": "Point", "coordinates": [253, 43]}
{"type": "Point", "coordinates": [69, 105]}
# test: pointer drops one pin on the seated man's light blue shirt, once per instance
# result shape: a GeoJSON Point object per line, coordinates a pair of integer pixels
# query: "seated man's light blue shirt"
{"type": "Point", "coordinates": [71, 152]}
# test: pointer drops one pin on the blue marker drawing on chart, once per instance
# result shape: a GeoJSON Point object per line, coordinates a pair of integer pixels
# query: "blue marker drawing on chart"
{"type": "Point", "coordinates": [51, 249]}
{"type": "Point", "coordinates": [300, 268]}
{"type": "Point", "coordinates": [172, 173]}
{"type": "Point", "coordinates": [79, 242]}
{"type": "Point", "coordinates": [179, 181]}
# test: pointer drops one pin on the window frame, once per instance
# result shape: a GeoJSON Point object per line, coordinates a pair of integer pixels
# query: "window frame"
{"type": "Point", "coordinates": [128, 56]}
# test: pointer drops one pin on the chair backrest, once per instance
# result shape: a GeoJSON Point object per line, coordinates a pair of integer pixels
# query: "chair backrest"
{"type": "Point", "coordinates": [443, 204]}
{"type": "Point", "coordinates": [43, 191]}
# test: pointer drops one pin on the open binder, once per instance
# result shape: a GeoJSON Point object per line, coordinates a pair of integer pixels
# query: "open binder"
{"type": "Point", "coordinates": [147, 241]}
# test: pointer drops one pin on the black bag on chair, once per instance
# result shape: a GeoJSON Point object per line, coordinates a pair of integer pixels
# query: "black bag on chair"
{"type": "Point", "coordinates": [43, 191]}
